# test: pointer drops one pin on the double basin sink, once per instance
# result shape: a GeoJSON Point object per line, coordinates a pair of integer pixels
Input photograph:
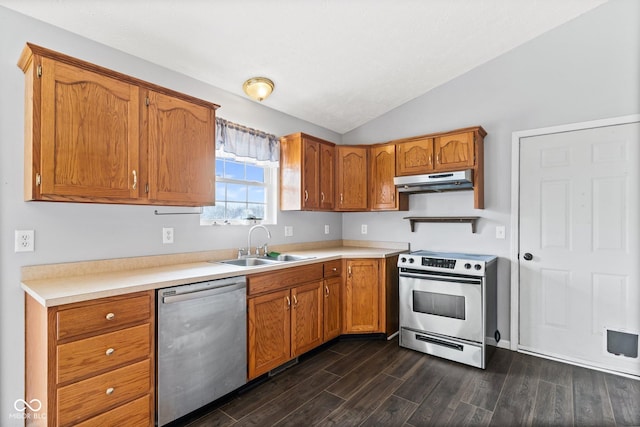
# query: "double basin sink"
{"type": "Point", "coordinates": [264, 260]}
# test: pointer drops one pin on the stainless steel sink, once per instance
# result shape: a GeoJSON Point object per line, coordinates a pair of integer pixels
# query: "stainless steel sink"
{"type": "Point", "coordinates": [250, 262]}
{"type": "Point", "coordinates": [253, 261]}
{"type": "Point", "coordinates": [289, 257]}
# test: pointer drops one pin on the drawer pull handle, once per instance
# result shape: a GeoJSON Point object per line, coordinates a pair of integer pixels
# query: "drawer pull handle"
{"type": "Point", "coordinates": [326, 289]}
{"type": "Point", "coordinates": [109, 351]}
{"type": "Point", "coordinates": [110, 391]}
{"type": "Point", "coordinates": [110, 316]}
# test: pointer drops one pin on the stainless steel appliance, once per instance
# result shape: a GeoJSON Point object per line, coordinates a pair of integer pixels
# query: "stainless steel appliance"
{"type": "Point", "coordinates": [435, 182]}
{"type": "Point", "coordinates": [201, 345]}
{"type": "Point", "coordinates": [448, 305]}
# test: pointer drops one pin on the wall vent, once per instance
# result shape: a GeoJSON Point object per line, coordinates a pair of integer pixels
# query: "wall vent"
{"type": "Point", "coordinates": [622, 343]}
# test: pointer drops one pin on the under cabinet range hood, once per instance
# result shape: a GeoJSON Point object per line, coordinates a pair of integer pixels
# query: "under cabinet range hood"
{"type": "Point", "coordinates": [435, 182]}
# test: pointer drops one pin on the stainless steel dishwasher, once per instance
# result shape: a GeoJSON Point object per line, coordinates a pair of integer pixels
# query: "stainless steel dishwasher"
{"type": "Point", "coordinates": [202, 345]}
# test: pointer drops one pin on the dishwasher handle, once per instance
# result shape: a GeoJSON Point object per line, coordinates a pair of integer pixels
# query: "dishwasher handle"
{"type": "Point", "coordinates": [204, 293]}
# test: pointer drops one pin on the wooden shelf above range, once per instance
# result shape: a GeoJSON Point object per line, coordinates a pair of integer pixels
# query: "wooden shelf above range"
{"type": "Point", "coordinates": [463, 219]}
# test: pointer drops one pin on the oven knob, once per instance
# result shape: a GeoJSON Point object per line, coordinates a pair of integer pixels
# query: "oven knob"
{"type": "Point", "coordinates": [411, 260]}
{"type": "Point", "coordinates": [477, 266]}
{"type": "Point", "coordinates": [467, 266]}
{"type": "Point", "coordinates": [403, 259]}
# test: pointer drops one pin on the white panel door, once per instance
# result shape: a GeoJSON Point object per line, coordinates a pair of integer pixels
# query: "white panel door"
{"type": "Point", "coordinates": [579, 256]}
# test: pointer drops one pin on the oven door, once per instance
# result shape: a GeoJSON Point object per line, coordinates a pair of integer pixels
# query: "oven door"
{"type": "Point", "coordinates": [442, 305]}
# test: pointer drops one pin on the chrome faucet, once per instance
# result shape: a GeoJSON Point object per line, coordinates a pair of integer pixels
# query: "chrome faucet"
{"type": "Point", "coordinates": [257, 247]}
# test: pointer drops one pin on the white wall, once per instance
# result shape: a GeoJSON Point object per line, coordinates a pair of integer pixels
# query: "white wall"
{"type": "Point", "coordinates": [584, 70]}
{"type": "Point", "coordinates": [66, 232]}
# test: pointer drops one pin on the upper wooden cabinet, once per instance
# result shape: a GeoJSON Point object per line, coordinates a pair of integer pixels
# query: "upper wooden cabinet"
{"type": "Point", "coordinates": [95, 135]}
{"type": "Point", "coordinates": [448, 151]}
{"type": "Point", "coordinates": [383, 194]}
{"type": "Point", "coordinates": [307, 173]}
{"type": "Point", "coordinates": [351, 177]}
{"type": "Point", "coordinates": [445, 152]}
{"type": "Point", "coordinates": [414, 156]}
{"type": "Point", "coordinates": [181, 151]}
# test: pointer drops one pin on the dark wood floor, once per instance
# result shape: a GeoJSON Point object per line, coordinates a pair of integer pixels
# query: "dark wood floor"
{"type": "Point", "coordinates": [377, 383]}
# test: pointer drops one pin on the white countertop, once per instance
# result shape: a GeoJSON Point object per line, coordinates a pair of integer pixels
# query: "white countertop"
{"type": "Point", "coordinates": [75, 288]}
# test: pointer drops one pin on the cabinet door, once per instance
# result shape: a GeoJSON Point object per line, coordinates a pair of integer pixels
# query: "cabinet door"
{"type": "Point", "coordinates": [332, 308]}
{"type": "Point", "coordinates": [306, 317]}
{"type": "Point", "coordinates": [351, 174]}
{"type": "Point", "coordinates": [454, 151]}
{"type": "Point", "coordinates": [181, 142]}
{"type": "Point", "coordinates": [362, 296]}
{"type": "Point", "coordinates": [310, 174]}
{"type": "Point", "coordinates": [327, 176]}
{"type": "Point", "coordinates": [269, 332]}
{"type": "Point", "coordinates": [89, 135]}
{"type": "Point", "coordinates": [414, 157]}
{"type": "Point", "coordinates": [384, 195]}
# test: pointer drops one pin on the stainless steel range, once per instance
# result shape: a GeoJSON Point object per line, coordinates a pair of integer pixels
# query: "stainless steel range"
{"type": "Point", "coordinates": [448, 305]}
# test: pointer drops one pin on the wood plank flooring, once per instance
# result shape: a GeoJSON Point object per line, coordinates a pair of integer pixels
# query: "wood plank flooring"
{"type": "Point", "coordinates": [377, 383]}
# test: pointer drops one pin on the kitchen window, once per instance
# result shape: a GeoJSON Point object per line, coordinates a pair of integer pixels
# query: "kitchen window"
{"type": "Point", "coordinates": [246, 177]}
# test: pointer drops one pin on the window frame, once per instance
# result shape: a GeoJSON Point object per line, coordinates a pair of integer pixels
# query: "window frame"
{"type": "Point", "coordinates": [270, 184]}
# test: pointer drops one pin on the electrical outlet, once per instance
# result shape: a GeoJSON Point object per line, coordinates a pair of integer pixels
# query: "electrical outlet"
{"type": "Point", "coordinates": [288, 230]}
{"type": "Point", "coordinates": [25, 241]}
{"type": "Point", "coordinates": [363, 229]}
{"type": "Point", "coordinates": [167, 235]}
{"type": "Point", "coordinates": [500, 232]}
{"type": "Point", "coordinates": [326, 229]}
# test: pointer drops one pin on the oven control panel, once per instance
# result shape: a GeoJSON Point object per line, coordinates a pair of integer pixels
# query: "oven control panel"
{"type": "Point", "coordinates": [469, 265]}
{"type": "Point", "coordinates": [439, 262]}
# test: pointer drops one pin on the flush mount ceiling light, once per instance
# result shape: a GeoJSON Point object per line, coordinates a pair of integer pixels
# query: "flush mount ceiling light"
{"type": "Point", "coordinates": [258, 88]}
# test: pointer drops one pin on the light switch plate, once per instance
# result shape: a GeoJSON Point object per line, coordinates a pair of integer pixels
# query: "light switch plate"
{"type": "Point", "coordinates": [500, 232]}
{"type": "Point", "coordinates": [326, 229]}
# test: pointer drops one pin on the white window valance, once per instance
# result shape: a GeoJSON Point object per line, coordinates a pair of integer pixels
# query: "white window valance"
{"type": "Point", "coordinates": [244, 142]}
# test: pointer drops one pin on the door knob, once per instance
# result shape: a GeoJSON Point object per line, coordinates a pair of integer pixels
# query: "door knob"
{"type": "Point", "coordinates": [527, 256]}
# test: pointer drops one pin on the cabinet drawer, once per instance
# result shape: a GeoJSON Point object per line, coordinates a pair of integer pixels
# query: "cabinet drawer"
{"type": "Point", "coordinates": [332, 268]}
{"type": "Point", "coordinates": [84, 357]}
{"type": "Point", "coordinates": [107, 314]}
{"type": "Point", "coordinates": [276, 280]}
{"type": "Point", "coordinates": [132, 414]}
{"type": "Point", "coordinates": [97, 394]}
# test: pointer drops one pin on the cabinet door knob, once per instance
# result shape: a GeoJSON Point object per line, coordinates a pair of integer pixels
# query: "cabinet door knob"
{"type": "Point", "coordinates": [322, 196]}
{"type": "Point", "coordinates": [326, 290]}
{"type": "Point", "coordinates": [109, 351]}
{"type": "Point", "coordinates": [295, 301]}
{"type": "Point", "coordinates": [135, 179]}
{"type": "Point", "coordinates": [110, 316]}
{"type": "Point", "coordinates": [306, 195]}
{"type": "Point", "coordinates": [288, 303]}
{"type": "Point", "coordinates": [527, 256]}
{"type": "Point", "coordinates": [110, 391]}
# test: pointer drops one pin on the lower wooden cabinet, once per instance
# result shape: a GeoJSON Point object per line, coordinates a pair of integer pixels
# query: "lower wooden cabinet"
{"type": "Point", "coordinates": [92, 363]}
{"type": "Point", "coordinates": [332, 308]}
{"type": "Point", "coordinates": [283, 325]}
{"type": "Point", "coordinates": [306, 317]}
{"type": "Point", "coordinates": [371, 296]}
{"type": "Point", "coordinates": [362, 296]}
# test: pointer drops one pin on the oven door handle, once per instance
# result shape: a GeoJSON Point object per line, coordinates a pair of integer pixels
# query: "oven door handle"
{"type": "Point", "coordinates": [442, 343]}
{"type": "Point", "coordinates": [467, 280]}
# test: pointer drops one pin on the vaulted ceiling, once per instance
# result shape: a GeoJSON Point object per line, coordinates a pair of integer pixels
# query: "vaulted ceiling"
{"type": "Point", "coordinates": [335, 63]}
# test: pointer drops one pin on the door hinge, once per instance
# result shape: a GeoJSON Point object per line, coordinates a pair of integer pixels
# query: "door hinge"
{"type": "Point", "coordinates": [146, 101]}
{"type": "Point", "coordinates": [38, 179]}
{"type": "Point", "coordinates": [39, 71]}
